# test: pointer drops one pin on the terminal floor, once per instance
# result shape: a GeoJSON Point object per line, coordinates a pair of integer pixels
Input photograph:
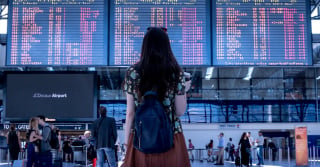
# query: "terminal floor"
{"type": "Point", "coordinates": [209, 164]}
{"type": "Point", "coordinates": [266, 164]}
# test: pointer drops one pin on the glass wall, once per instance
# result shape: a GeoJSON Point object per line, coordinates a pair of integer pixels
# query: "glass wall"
{"type": "Point", "coordinates": [235, 94]}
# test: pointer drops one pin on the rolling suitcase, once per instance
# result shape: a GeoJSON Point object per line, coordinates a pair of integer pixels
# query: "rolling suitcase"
{"type": "Point", "coordinates": [57, 163]}
{"type": "Point", "coordinates": [237, 161]}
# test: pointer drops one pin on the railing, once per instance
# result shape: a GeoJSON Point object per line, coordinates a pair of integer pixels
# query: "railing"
{"type": "Point", "coordinates": [80, 154]}
{"type": "Point", "coordinates": [314, 154]}
{"type": "Point", "coordinates": [202, 154]}
{"type": "Point", "coordinates": [4, 155]}
{"type": "Point", "coordinates": [234, 111]}
{"type": "Point", "coordinates": [285, 155]}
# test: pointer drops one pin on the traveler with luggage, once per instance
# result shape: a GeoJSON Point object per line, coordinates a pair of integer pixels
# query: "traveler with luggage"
{"type": "Point", "coordinates": [156, 82]}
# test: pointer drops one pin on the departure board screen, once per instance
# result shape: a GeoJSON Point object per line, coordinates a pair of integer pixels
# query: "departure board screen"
{"type": "Point", "coordinates": [187, 21]}
{"type": "Point", "coordinates": [57, 32]}
{"type": "Point", "coordinates": [261, 32]}
{"type": "Point", "coordinates": [201, 32]}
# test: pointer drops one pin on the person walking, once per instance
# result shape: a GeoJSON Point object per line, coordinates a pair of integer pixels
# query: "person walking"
{"type": "Point", "coordinates": [13, 141]}
{"type": "Point", "coordinates": [105, 135]}
{"type": "Point", "coordinates": [86, 138]}
{"type": "Point", "coordinates": [251, 140]}
{"type": "Point", "coordinates": [221, 150]}
{"type": "Point", "coordinates": [67, 151]}
{"type": "Point", "coordinates": [190, 149]}
{"type": "Point", "coordinates": [158, 71]}
{"type": "Point", "coordinates": [273, 148]}
{"type": "Point", "coordinates": [230, 149]}
{"type": "Point", "coordinates": [260, 141]}
{"type": "Point", "coordinates": [34, 141]}
{"type": "Point", "coordinates": [245, 147]}
{"type": "Point", "coordinates": [44, 158]}
{"type": "Point", "coordinates": [209, 148]}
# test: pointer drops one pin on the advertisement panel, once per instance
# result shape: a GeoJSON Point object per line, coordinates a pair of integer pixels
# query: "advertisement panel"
{"type": "Point", "coordinates": [301, 146]}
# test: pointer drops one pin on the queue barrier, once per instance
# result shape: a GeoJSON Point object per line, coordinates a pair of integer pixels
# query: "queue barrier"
{"type": "Point", "coordinates": [4, 153]}
{"type": "Point", "coordinates": [202, 154]}
{"type": "Point", "coordinates": [314, 156]}
{"type": "Point", "coordinates": [80, 154]}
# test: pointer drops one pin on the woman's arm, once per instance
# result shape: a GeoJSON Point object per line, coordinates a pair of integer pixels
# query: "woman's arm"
{"type": "Point", "coordinates": [180, 104]}
{"type": "Point", "coordinates": [34, 136]}
{"type": "Point", "coordinates": [7, 135]}
{"type": "Point", "coordinates": [38, 136]}
{"type": "Point", "coordinates": [18, 134]}
{"type": "Point", "coordinates": [181, 101]}
{"type": "Point", "coordinates": [129, 117]}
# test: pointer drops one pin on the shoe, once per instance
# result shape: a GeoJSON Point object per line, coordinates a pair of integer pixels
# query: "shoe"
{"type": "Point", "coordinates": [258, 164]}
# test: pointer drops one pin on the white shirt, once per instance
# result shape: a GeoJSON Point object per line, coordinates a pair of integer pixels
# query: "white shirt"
{"type": "Point", "coordinates": [260, 140]}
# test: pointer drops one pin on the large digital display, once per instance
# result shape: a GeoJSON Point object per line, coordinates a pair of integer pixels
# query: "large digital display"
{"type": "Point", "coordinates": [57, 32]}
{"type": "Point", "coordinates": [201, 32]}
{"type": "Point", "coordinates": [61, 96]}
{"type": "Point", "coordinates": [262, 32]}
{"type": "Point", "coordinates": [187, 21]}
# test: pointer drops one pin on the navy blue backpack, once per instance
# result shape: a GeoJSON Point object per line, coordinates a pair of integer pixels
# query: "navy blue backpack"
{"type": "Point", "coordinates": [153, 128]}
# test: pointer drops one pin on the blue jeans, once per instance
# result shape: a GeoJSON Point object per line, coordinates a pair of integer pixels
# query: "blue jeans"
{"type": "Point", "coordinates": [31, 154]}
{"type": "Point", "coordinates": [260, 154]}
{"type": "Point", "coordinates": [250, 156]}
{"type": "Point", "coordinates": [106, 154]}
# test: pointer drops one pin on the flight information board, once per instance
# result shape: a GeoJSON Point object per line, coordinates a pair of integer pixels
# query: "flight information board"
{"type": "Point", "coordinates": [187, 21]}
{"type": "Point", "coordinates": [201, 32]}
{"type": "Point", "coordinates": [261, 32]}
{"type": "Point", "coordinates": [57, 32]}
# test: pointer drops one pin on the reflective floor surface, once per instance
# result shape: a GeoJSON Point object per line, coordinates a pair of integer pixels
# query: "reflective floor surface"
{"type": "Point", "coordinates": [283, 163]}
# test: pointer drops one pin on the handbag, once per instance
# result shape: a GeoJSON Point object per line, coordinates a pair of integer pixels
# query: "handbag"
{"type": "Point", "coordinates": [20, 163]}
{"type": "Point", "coordinates": [248, 150]}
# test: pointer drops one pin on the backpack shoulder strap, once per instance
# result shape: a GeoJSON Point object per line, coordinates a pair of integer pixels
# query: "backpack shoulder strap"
{"type": "Point", "coordinates": [49, 136]}
{"type": "Point", "coordinates": [148, 93]}
{"type": "Point", "coordinates": [48, 126]}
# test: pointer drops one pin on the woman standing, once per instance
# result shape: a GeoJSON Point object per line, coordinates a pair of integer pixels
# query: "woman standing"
{"type": "Point", "coordinates": [245, 149]}
{"type": "Point", "coordinates": [159, 71]}
{"type": "Point", "coordinates": [209, 148]}
{"type": "Point", "coordinates": [34, 141]}
{"type": "Point", "coordinates": [14, 144]}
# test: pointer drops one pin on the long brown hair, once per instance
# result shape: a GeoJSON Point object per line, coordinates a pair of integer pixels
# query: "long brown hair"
{"type": "Point", "coordinates": [158, 68]}
{"type": "Point", "coordinates": [33, 123]}
{"type": "Point", "coordinates": [244, 134]}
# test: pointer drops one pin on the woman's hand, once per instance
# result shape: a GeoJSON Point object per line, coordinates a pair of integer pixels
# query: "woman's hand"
{"type": "Point", "coordinates": [188, 85]}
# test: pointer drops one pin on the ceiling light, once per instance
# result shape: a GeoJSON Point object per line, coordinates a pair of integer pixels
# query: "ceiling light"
{"type": "Point", "coordinates": [209, 73]}
{"type": "Point", "coordinates": [91, 69]}
{"type": "Point", "coordinates": [50, 68]}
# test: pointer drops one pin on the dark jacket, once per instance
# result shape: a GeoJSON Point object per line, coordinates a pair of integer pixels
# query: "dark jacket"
{"type": "Point", "coordinates": [245, 144]}
{"type": "Point", "coordinates": [13, 141]}
{"type": "Point", "coordinates": [106, 134]}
